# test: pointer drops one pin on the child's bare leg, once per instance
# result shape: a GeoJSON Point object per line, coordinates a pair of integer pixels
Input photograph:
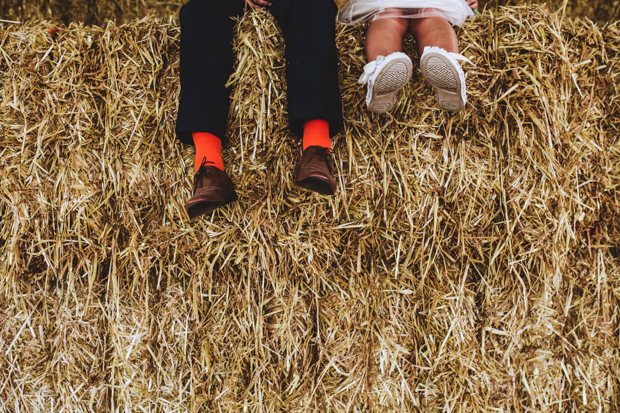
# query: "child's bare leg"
{"type": "Point", "coordinates": [439, 47]}
{"type": "Point", "coordinates": [386, 76]}
{"type": "Point", "coordinates": [434, 31]}
{"type": "Point", "coordinates": [385, 36]}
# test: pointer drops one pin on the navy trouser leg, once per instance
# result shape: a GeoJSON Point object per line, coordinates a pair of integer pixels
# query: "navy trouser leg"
{"type": "Point", "coordinates": [309, 28]}
{"type": "Point", "coordinates": [206, 64]}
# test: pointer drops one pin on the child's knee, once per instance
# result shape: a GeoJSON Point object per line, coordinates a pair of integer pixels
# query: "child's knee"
{"type": "Point", "coordinates": [429, 21]}
{"type": "Point", "coordinates": [397, 24]}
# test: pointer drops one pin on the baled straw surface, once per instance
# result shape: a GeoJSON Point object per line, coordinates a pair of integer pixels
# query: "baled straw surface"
{"type": "Point", "coordinates": [87, 11]}
{"type": "Point", "coordinates": [469, 262]}
{"type": "Point", "coordinates": [597, 10]}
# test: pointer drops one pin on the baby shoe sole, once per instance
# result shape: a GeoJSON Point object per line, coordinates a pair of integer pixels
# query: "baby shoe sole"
{"type": "Point", "coordinates": [392, 78]}
{"type": "Point", "coordinates": [439, 71]}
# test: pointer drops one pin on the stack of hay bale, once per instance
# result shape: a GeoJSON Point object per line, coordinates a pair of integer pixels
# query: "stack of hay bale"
{"type": "Point", "coordinates": [467, 260]}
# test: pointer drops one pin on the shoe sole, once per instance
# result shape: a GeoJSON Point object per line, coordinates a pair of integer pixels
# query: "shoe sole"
{"type": "Point", "coordinates": [204, 207]}
{"type": "Point", "coordinates": [392, 78]}
{"type": "Point", "coordinates": [439, 71]}
{"type": "Point", "coordinates": [316, 185]}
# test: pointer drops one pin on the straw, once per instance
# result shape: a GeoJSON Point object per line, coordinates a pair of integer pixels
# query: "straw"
{"type": "Point", "coordinates": [468, 261]}
{"type": "Point", "coordinates": [123, 11]}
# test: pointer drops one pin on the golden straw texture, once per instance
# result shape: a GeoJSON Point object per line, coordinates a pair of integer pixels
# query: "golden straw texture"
{"type": "Point", "coordinates": [122, 11]}
{"type": "Point", "coordinates": [468, 262]}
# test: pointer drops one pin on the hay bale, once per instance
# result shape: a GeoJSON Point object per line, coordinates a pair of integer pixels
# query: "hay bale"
{"type": "Point", "coordinates": [467, 260]}
{"type": "Point", "coordinates": [122, 11]}
{"type": "Point", "coordinates": [89, 12]}
{"type": "Point", "coordinates": [596, 10]}
{"type": "Point", "coordinates": [54, 352]}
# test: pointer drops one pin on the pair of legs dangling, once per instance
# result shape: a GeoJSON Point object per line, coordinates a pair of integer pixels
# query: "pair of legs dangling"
{"type": "Point", "coordinates": [209, 146]}
{"type": "Point", "coordinates": [314, 103]}
{"type": "Point", "coordinates": [390, 69]}
{"type": "Point", "coordinates": [385, 35]}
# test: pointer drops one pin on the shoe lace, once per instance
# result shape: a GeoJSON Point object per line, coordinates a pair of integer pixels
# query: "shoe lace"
{"type": "Point", "coordinates": [203, 172]}
{"type": "Point", "coordinates": [455, 56]}
{"type": "Point", "coordinates": [323, 153]}
{"type": "Point", "coordinates": [369, 70]}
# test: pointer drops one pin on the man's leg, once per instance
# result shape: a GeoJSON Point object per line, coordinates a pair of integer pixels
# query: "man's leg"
{"type": "Point", "coordinates": [206, 64]}
{"type": "Point", "coordinates": [314, 102]}
{"type": "Point", "coordinates": [309, 29]}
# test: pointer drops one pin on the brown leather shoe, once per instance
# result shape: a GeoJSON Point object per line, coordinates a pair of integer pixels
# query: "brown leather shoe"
{"type": "Point", "coordinates": [314, 171]}
{"type": "Point", "coordinates": [212, 189]}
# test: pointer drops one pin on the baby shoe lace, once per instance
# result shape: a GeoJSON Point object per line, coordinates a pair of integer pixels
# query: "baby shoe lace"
{"type": "Point", "coordinates": [455, 56]}
{"type": "Point", "coordinates": [369, 70]}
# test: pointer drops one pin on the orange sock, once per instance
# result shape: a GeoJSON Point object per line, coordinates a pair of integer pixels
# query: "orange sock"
{"type": "Point", "coordinates": [208, 146]}
{"type": "Point", "coordinates": [316, 133]}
